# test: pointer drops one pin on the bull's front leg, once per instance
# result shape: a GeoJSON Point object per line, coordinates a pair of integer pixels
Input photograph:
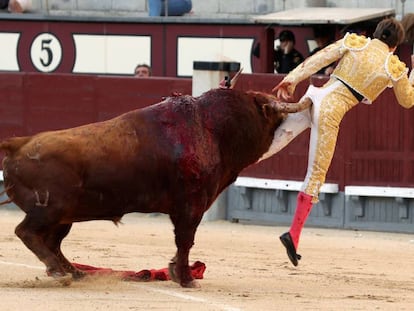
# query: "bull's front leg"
{"type": "Point", "coordinates": [179, 269]}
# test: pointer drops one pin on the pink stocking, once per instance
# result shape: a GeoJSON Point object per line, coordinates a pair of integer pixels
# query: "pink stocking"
{"type": "Point", "coordinates": [303, 209]}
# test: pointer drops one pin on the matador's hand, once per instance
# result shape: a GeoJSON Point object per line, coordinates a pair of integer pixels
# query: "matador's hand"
{"type": "Point", "coordinates": [282, 90]}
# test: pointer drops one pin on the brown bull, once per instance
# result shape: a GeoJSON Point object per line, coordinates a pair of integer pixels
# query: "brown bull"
{"type": "Point", "coordinates": [174, 157]}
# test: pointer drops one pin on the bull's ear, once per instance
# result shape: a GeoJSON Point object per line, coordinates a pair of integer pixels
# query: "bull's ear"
{"type": "Point", "coordinates": [267, 110]}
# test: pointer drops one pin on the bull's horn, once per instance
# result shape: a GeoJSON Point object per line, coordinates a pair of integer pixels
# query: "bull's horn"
{"type": "Point", "coordinates": [235, 78]}
{"type": "Point", "coordinates": [293, 107]}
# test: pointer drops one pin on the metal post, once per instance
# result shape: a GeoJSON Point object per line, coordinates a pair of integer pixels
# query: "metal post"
{"type": "Point", "coordinates": [402, 8]}
{"type": "Point", "coordinates": [166, 7]}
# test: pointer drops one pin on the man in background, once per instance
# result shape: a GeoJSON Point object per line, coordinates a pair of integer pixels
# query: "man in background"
{"type": "Point", "coordinates": [169, 7]}
{"type": "Point", "coordinates": [286, 57]}
{"type": "Point", "coordinates": [142, 71]}
{"type": "Point", "coordinates": [324, 36]}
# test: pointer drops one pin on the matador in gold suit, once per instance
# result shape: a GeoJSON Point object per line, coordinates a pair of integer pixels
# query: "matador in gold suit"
{"type": "Point", "coordinates": [365, 68]}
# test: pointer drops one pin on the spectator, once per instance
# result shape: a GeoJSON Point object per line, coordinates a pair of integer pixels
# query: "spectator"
{"type": "Point", "coordinates": [16, 6]}
{"type": "Point", "coordinates": [286, 57]}
{"type": "Point", "coordinates": [405, 51]}
{"type": "Point", "coordinates": [174, 7]}
{"type": "Point", "coordinates": [408, 24]}
{"type": "Point", "coordinates": [142, 71]}
{"type": "Point", "coordinates": [324, 36]}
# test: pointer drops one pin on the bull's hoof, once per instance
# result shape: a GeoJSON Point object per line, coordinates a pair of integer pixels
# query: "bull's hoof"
{"type": "Point", "coordinates": [191, 284]}
{"type": "Point", "coordinates": [62, 279]}
{"type": "Point", "coordinates": [65, 280]}
{"type": "Point", "coordinates": [171, 272]}
{"type": "Point", "coordinates": [78, 275]}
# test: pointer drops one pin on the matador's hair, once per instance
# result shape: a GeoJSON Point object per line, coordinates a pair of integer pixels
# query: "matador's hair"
{"type": "Point", "coordinates": [390, 31]}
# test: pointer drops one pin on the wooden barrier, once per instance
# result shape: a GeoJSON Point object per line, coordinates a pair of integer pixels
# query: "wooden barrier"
{"type": "Point", "coordinates": [367, 153]}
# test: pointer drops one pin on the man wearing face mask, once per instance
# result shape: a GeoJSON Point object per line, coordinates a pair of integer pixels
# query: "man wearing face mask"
{"type": "Point", "coordinates": [286, 57]}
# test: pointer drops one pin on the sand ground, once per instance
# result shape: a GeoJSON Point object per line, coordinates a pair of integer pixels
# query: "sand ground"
{"type": "Point", "coordinates": [247, 269]}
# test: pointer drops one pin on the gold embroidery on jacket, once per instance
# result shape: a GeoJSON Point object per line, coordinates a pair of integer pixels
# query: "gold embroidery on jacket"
{"type": "Point", "coordinates": [395, 68]}
{"type": "Point", "coordinates": [368, 67]}
{"type": "Point", "coordinates": [355, 42]}
{"type": "Point", "coordinates": [333, 108]}
{"type": "Point", "coordinates": [364, 69]}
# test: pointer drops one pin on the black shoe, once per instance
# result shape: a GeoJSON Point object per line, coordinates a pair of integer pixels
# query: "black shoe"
{"type": "Point", "coordinates": [287, 242]}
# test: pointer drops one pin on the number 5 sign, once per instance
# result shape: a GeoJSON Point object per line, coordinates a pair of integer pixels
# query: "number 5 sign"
{"type": "Point", "coordinates": [46, 52]}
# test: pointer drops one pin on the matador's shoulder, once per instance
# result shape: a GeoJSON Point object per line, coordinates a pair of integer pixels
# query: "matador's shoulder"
{"type": "Point", "coordinates": [395, 68]}
{"type": "Point", "coordinates": [353, 41]}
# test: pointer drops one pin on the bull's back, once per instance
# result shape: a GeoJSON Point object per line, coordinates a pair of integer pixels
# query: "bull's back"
{"type": "Point", "coordinates": [148, 157]}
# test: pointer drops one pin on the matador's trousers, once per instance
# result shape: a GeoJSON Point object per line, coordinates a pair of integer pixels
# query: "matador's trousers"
{"type": "Point", "coordinates": [330, 103]}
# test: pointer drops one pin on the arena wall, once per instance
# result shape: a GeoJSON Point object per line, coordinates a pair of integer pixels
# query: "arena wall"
{"type": "Point", "coordinates": [375, 146]}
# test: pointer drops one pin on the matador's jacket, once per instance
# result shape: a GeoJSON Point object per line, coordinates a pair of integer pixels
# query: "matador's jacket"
{"type": "Point", "coordinates": [365, 68]}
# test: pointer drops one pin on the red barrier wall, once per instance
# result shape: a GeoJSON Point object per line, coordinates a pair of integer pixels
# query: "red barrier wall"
{"type": "Point", "coordinates": [375, 144]}
{"type": "Point", "coordinates": [32, 102]}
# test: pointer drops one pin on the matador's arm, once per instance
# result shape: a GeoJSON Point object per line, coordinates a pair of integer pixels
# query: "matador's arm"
{"type": "Point", "coordinates": [313, 64]}
{"type": "Point", "coordinates": [403, 88]}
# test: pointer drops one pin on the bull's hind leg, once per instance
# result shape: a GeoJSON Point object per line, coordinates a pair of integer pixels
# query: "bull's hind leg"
{"type": "Point", "coordinates": [184, 228]}
{"type": "Point", "coordinates": [32, 231]}
{"type": "Point", "coordinates": [53, 240]}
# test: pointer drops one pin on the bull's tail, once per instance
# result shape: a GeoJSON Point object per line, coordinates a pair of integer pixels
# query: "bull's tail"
{"type": "Point", "coordinates": [9, 200]}
{"type": "Point", "coordinates": [10, 146]}
{"type": "Point", "coordinates": [13, 144]}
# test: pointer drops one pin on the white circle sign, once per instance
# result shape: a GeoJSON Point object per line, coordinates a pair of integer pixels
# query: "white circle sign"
{"type": "Point", "coordinates": [46, 52]}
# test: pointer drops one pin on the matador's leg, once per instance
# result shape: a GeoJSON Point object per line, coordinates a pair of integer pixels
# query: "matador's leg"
{"type": "Point", "coordinates": [294, 124]}
{"type": "Point", "coordinates": [334, 101]}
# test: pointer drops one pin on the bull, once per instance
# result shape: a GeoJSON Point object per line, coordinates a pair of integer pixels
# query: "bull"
{"type": "Point", "coordinates": [174, 157]}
